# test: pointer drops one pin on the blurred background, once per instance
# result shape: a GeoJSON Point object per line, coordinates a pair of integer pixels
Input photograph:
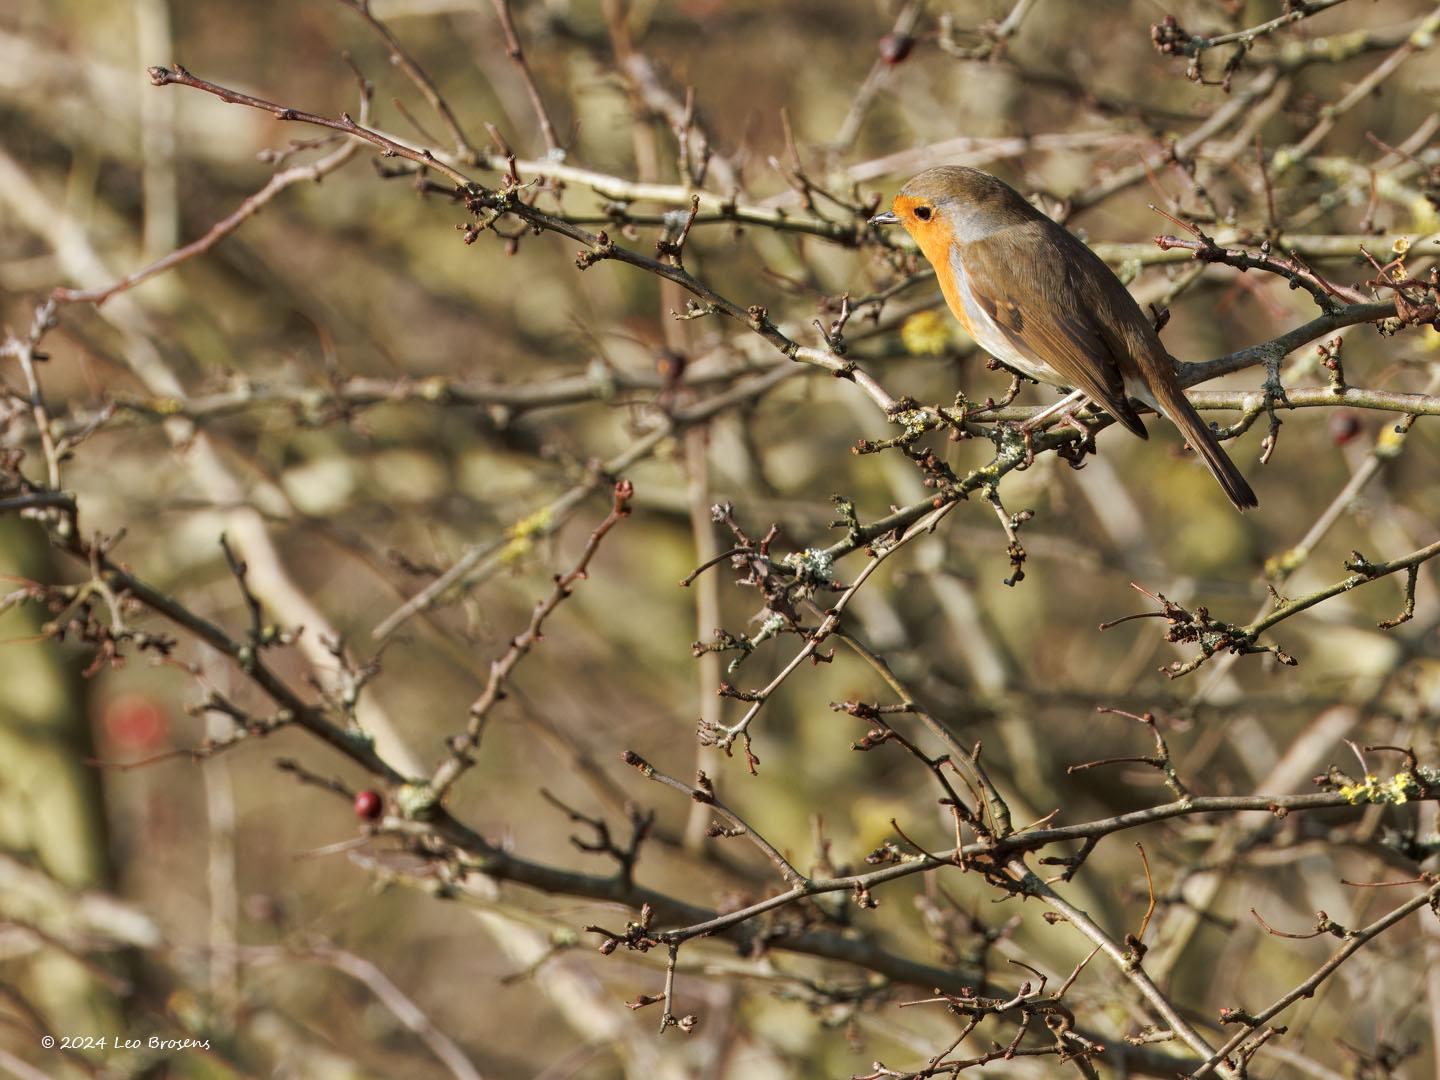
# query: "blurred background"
{"type": "Point", "coordinates": [359, 399]}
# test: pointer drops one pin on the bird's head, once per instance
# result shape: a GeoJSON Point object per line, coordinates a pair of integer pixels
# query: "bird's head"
{"type": "Point", "coordinates": [954, 204]}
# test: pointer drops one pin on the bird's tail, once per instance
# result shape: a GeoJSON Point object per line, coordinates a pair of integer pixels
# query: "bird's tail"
{"type": "Point", "coordinates": [1182, 414]}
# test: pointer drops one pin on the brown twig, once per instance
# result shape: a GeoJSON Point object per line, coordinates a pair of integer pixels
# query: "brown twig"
{"type": "Point", "coordinates": [463, 746]}
{"type": "Point", "coordinates": [517, 55]}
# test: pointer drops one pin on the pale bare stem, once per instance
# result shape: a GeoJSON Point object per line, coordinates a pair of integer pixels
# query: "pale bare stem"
{"type": "Point", "coordinates": [75, 425]}
{"type": "Point", "coordinates": [668, 1019]}
{"type": "Point", "coordinates": [716, 208]}
{"type": "Point", "coordinates": [1010, 25]}
{"type": "Point", "coordinates": [1252, 402]}
{"type": "Point", "coordinates": [699, 159]}
{"type": "Point", "coordinates": [1422, 38]}
{"type": "Point", "coordinates": [384, 988]}
{"type": "Point", "coordinates": [26, 352]}
{"type": "Point", "coordinates": [993, 35]}
{"type": "Point", "coordinates": [345, 394]}
{"type": "Point", "coordinates": [707, 606]}
{"type": "Point", "coordinates": [1233, 111]}
{"type": "Point", "coordinates": [902, 35]}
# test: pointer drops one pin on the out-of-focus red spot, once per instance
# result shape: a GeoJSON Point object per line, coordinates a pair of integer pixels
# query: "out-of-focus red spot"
{"type": "Point", "coordinates": [135, 722]}
{"type": "Point", "coordinates": [1344, 426]}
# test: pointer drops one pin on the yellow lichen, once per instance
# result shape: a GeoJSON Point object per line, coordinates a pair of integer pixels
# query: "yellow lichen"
{"type": "Point", "coordinates": [523, 535]}
{"type": "Point", "coordinates": [537, 524]}
{"type": "Point", "coordinates": [1358, 793]}
{"type": "Point", "coordinates": [1398, 790]}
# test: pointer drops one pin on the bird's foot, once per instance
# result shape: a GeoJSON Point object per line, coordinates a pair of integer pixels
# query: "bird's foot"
{"type": "Point", "coordinates": [1075, 453]}
{"type": "Point", "coordinates": [1008, 430]}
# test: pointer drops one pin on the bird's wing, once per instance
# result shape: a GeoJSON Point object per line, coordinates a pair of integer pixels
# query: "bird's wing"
{"type": "Point", "coordinates": [1062, 333]}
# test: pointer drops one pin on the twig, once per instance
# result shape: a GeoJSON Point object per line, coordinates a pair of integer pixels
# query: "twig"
{"type": "Point", "coordinates": [1357, 940]}
{"type": "Point", "coordinates": [517, 54]}
{"type": "Point", "coordinates": [704, 792]}
{"type": "Point", "coordinates": [252, 205]}
{"type": "Point", "coordinates": [406, 63]}
{"type": "Point", "coordinates": [462, 746]}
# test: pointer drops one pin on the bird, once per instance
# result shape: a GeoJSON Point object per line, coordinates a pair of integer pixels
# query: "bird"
{"type": "Point", "coordinates": [1037, 299]}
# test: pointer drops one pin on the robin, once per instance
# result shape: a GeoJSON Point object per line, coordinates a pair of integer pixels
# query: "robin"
{"type": "Point", "coordinates": [1036, 298]}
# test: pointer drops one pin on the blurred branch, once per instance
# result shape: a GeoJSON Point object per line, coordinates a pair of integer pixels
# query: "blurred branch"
{"type": "Point", "coordinates": [513, 49]}
{"type": "Point", "coordinates": [1421, 38]}
{"type": "Point", "coordinates": [395, 1000]}
{"type": "Point", "coordinates": [479, 561]}
{"type": "Point", "coordinates": [406, 63]}
{"type": "Point", "coordinates": [1355, 941]}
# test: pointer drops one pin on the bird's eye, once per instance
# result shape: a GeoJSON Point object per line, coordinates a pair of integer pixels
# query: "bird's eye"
{"type": "Point", "coordinates": [923, 213]}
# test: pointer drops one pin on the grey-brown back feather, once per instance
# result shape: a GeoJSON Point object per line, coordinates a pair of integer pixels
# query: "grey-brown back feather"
{"type": "Point", "coordinates": [1062, 332]}
{"type": "Point", "coordinates": [1090, 331]}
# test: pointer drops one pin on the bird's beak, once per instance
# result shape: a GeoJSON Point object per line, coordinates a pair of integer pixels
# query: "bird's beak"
{"type": "Point", "coordinates": [887, 218]}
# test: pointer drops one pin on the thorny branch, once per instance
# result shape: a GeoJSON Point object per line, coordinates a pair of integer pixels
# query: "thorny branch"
{"type": "Point", "coordinates": [102, 611]}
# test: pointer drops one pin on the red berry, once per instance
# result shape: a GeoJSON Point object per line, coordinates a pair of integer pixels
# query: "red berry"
{"type": "Point", "coordinates": [1343, 428]}
{"type": "Point", "coordinates": [368, 805]}
{"type": "Point", "coordinates": [894, 48]}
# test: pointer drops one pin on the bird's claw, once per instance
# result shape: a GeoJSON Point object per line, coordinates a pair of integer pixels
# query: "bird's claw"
{"type": "Point", "coordinates": [1027, 437]}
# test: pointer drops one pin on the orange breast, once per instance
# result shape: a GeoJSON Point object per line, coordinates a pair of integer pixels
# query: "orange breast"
{"type": "Point", "coordinates": [935, 240]}
{"type": "Point", "coordinates": [945, 274]}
